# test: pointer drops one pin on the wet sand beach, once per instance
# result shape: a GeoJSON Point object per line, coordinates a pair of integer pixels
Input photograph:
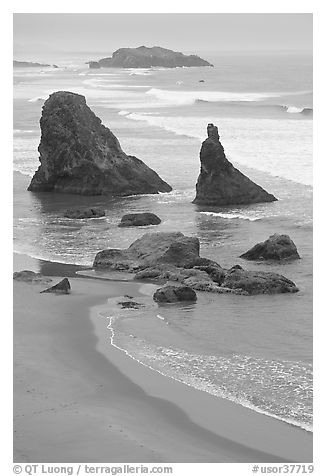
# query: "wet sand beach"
{"type": "Point", "coordinates": [78, 398]}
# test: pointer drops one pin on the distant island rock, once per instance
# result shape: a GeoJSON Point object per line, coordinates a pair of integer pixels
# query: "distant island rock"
{"type": "Point", "coordinates": [145, 57]}
{"type": "Point", "coordinates": [276, 247]}
{"type": "Point", "coordinates": [219, 183]}
{"type": "Point", "coordinates": [79, 155]}
{"type": "Point", "coordinates": [31, 64]}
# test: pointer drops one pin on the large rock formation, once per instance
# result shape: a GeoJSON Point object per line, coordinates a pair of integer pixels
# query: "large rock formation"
{"type": "Point", "coordinates": [149, 250]}
{"type": "Point", "coordinates": [166, 257]}
{"type": "Point", "coordinates": [79, 155]}
{"type": "Point", "coordinates": [139, 219]}
{"type": "Point", "coordinates": [276, 247]}
{"type": "Point", "coordinates": [144, 57]}
{"type": "Point", "coordinates": [219, 183]}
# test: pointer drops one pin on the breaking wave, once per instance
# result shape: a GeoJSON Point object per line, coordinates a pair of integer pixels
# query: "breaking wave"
{"type": "Point", "coordinates": [190, 97]}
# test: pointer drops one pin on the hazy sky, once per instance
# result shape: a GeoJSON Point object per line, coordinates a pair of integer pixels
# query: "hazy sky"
{"type": "Point", "coordinates": [37, 34]}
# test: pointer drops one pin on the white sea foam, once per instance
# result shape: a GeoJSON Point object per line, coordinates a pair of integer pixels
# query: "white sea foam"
{"type": "Point", "coordinates": [166, 365]}
{"type": "Point", "coordinates": [281, 148]}
{"type": "Point", "coordinates": [38, 98]}
{"type": "Point", "coordinates": [294, 109]}
{"type": "Point", "coordinates": [23, 131]}
{"type": "Point", "coordinates": [190, 97]}
{"type": "Point", "coordinates": [123, 113]}
{"type": "Point", "coordinates": [232, 216]}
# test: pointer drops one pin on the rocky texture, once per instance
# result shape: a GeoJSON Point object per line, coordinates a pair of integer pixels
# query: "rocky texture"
{"type": "Point", "coordinates": [31, 64]}
{"type": "Point", "coordinates": [79, 155]}
{"type": "Point", "coordinates": [276, 247]}
{"type": "Point", "coordinates": [28, 276]}
{"type": "Point", "coordinates": [258, 282]}
{"type": "Point", "coordinates": [145, 57]}
{"type": "Point", "coordinates": [150, 250]}
{"type": "Point", "coordinates": [139, 219]}
{"type": "Point", "coordinates": [63, 287]}
{"type": "Point", "coordinates": [163, 257]}
{"type": "Point", "coordinates": [130, 305]}
{"type": "Point", "coordinates": [86, 213]}
{"type": "Point", "coordinates": [219, 183]}
{"type": "Point", "coordinates": [174, 294]}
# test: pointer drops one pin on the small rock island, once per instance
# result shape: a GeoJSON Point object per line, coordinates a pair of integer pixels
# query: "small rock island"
{"type": "Point", "coordinates": [145, 57]}
{"type": "Point", "coordinates": [32, 64]}
{"type": "Point", "coordinates": [219, 183]}
{"type": "Point", "coordinates": [79, 155]}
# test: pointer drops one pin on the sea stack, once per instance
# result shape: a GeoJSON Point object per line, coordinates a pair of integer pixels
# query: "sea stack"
{"type": "Point", "coordinates": [79, 155]}
{"type": "Point", "coordinates": [219, 183]}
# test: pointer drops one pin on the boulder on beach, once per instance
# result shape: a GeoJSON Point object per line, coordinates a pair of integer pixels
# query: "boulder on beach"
{"type": "Point", "coordinates": [219, 183]}
{"type": "Point", "coordinates": [174, 294]}
{"type": "Point", "coordinates": [139, 219]}
{"type": "Point", "coordinates": [78, 214]}
{"type": "Point", "coordinates": [258, 282]}
{"type": "Point", "coordinates": [147, 57]}
{"type": "Point", "coordinates": [79, 155]}
{"type": "Point", "coordinates": [28, 276]}
{"type": "Point", "coordinates": [276, 247]}
{"type": "Point", "coordinates": [63, 287]}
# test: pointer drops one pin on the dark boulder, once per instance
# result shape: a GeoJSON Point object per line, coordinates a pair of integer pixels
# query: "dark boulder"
{"type": "Point", "coordinates": [276, 247]}
{"type": "Point", "coordinates": [79, 155]}
{"type": "Point", "coordinates": [63, 287]}
{"type": "Point", "coordinates": [258, 282]}
{"type": "Point", "coordinates": [28, 276]}
{"type": "Point", "coordinates": [219, 183]}
{"type": "Point", "coordinates": [139, 219]}
{"type": "Point", "coordinates": [174, 294]}
{"type": "Point", "coordinates": [86, 213]}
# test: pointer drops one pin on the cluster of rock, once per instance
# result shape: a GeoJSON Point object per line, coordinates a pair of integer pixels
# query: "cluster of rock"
{"type": "Point", "coordinates": [145, 57]}
{"type": "Point", "coordinates": [219, 183]}
{"type": "Point", "coordinates": [175, 257]}
{"type": "Point", "coordinates": [79, 155]}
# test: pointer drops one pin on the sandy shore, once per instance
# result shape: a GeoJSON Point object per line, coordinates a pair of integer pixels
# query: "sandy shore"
{"type": "Point", "coordinates": [79, 399]}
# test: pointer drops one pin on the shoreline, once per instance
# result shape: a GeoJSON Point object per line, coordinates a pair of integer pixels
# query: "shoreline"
{"type": "Point", "coordinates": [174, 422]}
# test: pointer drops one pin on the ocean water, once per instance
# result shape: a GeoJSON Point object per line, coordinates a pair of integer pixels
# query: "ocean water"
{"type": "Point", "coordinates": [256, 351]}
